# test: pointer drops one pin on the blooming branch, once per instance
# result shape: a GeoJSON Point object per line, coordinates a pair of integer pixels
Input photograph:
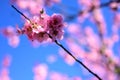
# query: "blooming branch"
{"type": "Point", "coordinates": [44, 27]}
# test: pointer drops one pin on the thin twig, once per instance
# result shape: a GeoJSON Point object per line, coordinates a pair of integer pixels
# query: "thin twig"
{"type": "Point", "coordinates": [21, 13]}
{"type": "Point", "coordinates": [60, 45]}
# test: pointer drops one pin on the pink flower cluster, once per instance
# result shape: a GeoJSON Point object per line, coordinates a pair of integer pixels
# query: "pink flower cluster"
{"type": "Point", "coordinates": [42, 28]}
{"type": "Point", "coordinates": [10, 34]}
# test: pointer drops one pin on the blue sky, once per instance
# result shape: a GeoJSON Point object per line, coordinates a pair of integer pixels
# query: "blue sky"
{"type": "Point", "coordinates": [24, 57]}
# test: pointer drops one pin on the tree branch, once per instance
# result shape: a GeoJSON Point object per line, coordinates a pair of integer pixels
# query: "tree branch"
{"type": "Point", "coordinates": [21, 13]}
{"type": "Point", "coordinates": [60, 45]}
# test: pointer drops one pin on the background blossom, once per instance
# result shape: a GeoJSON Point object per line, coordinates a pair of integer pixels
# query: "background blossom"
{"type": "Point", "coordinates": [92, 36]}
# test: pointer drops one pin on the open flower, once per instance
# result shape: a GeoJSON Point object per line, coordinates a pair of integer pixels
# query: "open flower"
{"type": "Point", "coordinates": [55, 24]}
{"type": "Point", "coordinates": [42, 26]}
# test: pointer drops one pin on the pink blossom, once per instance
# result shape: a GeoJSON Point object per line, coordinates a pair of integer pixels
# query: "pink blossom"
{"type": "Point", "coordinates": [76, 78]}
{"type": "Point", "coordinates": [41, 36]}
{"type": "Point", "coordinates": [10, 33]}
{"type": "Point", "coordinates": [34, 6]}
{"type": "Point", "coordinates": [6, 61]}
{"type": "Point", "coordinates": [93, 56]}
{"type": "Point", "coordinates": [14, 41]}
{"type": "Point", "coordinates": [74, 29]}
{"type": "Point", "coordinates": [31, 5]}
{"type": "Point", "coordinates": [52, 58]}
{"type": "Point", "coordinates": [99, 20]}
{"type": "Point", "coordinates": [117, 19]}
{"type": "Point", "coordinates": [58, 76]}
{"type": "Point", "coordinates": [28, 30]}
{"type": "Point", "coordinates": [57, 1]}
{"type": "Point", "coordinates": [37, 29]}
{"type": "Point", "coordinates": [84, 15]}
{"type": "Point", "coordinates": [23, 4]}
{"type": "Point", "coordinates": [114, 5]}
{"type": "Point", "coordinates": [85, 3]}
{"type": "Point", "coordinates": [51, 2]}
{"type": "Point", "coordinates": [92, 39]}
{"type": "Point", "coordinates": [68, 59]}
{"type": "Point", "coordinates": [40, 27]}
{"type": "Point", "coordinates": [96, 3]}
{"type": "Point", "coordinates": [4, 72]}
{"type": "Point", "coordinates": [55, 24]}
{"type": "Point", "coordinates": [115, 38]}
{"type": "Point", "coordinates": [57, 34]}
{"type": "Point", "coordinates": [55, 21]}
{"type": "Point", "coordinates": [40, 72]}
{"type": "Point", "coordinates": [75, 48]}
